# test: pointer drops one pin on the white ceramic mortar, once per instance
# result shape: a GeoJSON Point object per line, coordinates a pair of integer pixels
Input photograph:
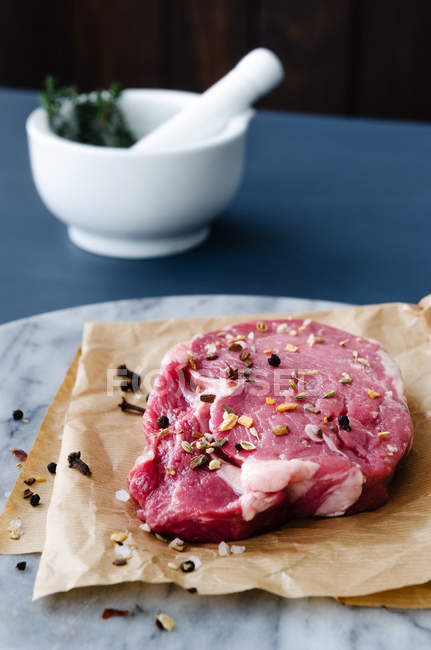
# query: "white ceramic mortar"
{"type": "Point", "coordinates": [131, 204]}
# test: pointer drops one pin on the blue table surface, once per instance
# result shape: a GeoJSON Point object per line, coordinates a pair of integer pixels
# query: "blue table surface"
{"type": "Point", "coordinates": [329, 208]}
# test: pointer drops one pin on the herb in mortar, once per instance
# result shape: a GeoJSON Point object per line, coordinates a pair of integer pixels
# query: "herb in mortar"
{"type": "Point", "coordinates": [94, 118]}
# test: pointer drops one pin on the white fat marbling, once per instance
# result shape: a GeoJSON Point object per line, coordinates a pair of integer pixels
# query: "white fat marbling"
{"type": "Point", "coordinates": [34, 354]}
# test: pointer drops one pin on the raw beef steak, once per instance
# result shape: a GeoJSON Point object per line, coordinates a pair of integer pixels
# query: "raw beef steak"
{"type": "Point", "coordinates": [253, 425]}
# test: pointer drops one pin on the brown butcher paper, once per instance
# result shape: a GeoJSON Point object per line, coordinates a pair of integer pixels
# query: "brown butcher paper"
{"type": "Point", "coordinates": [352, 558]}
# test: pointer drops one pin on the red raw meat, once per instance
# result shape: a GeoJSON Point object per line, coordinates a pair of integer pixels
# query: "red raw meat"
{"type": "Point", "coordinates": [326, 424]}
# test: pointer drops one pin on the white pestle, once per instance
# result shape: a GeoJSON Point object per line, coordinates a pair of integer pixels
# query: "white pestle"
{"type": "Point", "coordinates": [255, 75]}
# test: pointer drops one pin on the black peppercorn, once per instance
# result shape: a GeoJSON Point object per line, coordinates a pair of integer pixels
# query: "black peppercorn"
{"type": "Point", "coordinates": [274, 360]}
{"type": "Point", "coordinates": [21, 566]}
{"type": "Point", "coordinates": [187, 566]}
{"type": "Point", "coordinates": [52, 468]}
{"type": "Point", "coordinates": [34, 500]}
{"type": "Point", "coordinates": [238, 446]}
{"type": "Point", "coordinates": [163, 421]}
{"type": "Point", "coordinates": [344, 423]}
{"type": "Point", "coordinates": [18, 414]}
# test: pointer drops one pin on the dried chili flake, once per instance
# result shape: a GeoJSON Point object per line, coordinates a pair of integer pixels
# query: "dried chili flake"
{"type": "Point", "coordinates": [289, 406]}
{"type": "Point", "coordinates": [30, 481]}
{"type": "Point", "coordinates": [229, 421]}
{"type": "Point", "coordinates": [27, 493]}
{"type": "Point", "coordinates": [245, 421]}
{"type": "Point", "coordinates": [209, 398]}
{"type": "Point", "coordinates": [19, 454]}
{"type": "Point", "coordinates": [108, 612]}
{"type": "Point", "coordinates": [75, 462]}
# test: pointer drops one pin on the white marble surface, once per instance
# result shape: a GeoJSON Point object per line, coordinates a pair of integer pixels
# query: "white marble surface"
{"type": "Point", "coordinates": [34, 355]}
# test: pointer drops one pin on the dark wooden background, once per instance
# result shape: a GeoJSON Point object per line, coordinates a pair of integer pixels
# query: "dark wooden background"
{"type": "Point", "coordinates": [352, 57]}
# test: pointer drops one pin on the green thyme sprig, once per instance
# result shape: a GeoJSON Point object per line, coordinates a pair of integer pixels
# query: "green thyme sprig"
{"type": "Point", "coordinates": [94, 118]}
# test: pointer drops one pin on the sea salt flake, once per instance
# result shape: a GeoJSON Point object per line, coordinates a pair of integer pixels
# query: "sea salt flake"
{"type": "Point", "coordinates": [177, 544]}
{"type": "Point", "coordinates": [14, 529]}
{"type": "Point", "coordinates": [122, 495]}
{"type": "Point", "coordinates": [282, 328]}
{"type": "Point", "coordinates": [196, 561]}
{"type": "Point", "coordinates": [145, 527]}
{"type": "Point", "coordinates": [223, 549]}
{"type": "Point", "coordinates": [236, 550]}
{"type": "Point", "coordinates": [123, 551]}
